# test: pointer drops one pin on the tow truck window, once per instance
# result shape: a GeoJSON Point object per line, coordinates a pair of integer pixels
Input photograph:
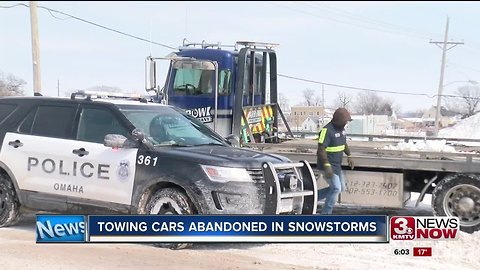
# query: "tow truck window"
{"type": "Point", "coordinates": [193, 82]}
{"type": "Point", "coordinates": [250, 81]}
{"type": "Point", "coordinates": [224, 81]}
{"type": "Point", "coordinates": [96, 123]}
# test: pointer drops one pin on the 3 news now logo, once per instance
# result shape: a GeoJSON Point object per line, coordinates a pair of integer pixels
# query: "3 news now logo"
{"type": "Point", "coordinates": [60, 229]}
{"type": "Point", "coordinates": [409, 228]}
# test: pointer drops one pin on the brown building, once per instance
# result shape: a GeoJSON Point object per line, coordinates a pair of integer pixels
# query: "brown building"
{"type": "Point", "coordinates": [447, 118]}
{"type": "Point", "coordinates": [299, 114]}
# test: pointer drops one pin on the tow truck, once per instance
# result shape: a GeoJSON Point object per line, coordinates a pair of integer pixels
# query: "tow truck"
{"type": "Point", "coordinates": [233, 89]}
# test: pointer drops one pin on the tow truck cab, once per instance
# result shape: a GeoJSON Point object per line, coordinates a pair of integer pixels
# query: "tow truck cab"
{"type": "Point", "coordinates": [225, 89]}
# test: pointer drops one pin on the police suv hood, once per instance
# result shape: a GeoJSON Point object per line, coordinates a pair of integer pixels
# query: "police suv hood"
{"type": "Point", "coordinates": [225, 156]}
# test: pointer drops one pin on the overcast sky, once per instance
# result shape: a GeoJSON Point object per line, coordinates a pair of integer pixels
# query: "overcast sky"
{"type": "Point", "coordinates": [375, 45]}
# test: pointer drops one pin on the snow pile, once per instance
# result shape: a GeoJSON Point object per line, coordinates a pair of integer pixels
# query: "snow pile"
{"type": "Point", "coordinates": [458, 254]}
{"type": "Point", "coordinates": [468, 128]}
{"type": "Point", "coordinates": [427, 146]}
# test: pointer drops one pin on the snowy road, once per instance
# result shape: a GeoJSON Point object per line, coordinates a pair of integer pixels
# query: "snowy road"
{"type": "Point", "coordinates": [462, 253]}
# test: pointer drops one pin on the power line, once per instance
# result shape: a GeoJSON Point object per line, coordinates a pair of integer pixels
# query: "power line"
{"type": "Point", "coordinates": [368, 89]}
{"type": "Point", "coordinates": [108, 28]}
{"type": "Point", "coordinates": [396, 32]}
{"type": "Point", "coordinates": [472, 49]}
{"type": "Point", "coordinates": [384, 26]}
{"type": "Point", "coordinates": [58, 18]}
{"type": "Point", "coordinates": [353, 87]}
{"type": "Point", "coordinates": [12, 6]}
{"type": "Point", "coordinates": [463, 66]}
{"type": "Point", "coordinates": [365, 19]}
{"type": "Point", "coordinates": [50, 10]}
{"type": "Point", "coordinates": [394, 29]}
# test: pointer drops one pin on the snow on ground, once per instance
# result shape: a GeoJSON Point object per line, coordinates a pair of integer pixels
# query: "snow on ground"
{"type": "Point", "coordinates": [458, 254]}
{"type": "Point", "coordinates": [427, 146]}
{"type": "Point", "coordinates": [468, 128]}
{"type": "Point", "coordinates": [462, 253]}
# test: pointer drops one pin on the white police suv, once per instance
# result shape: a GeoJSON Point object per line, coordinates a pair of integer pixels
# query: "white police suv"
{"type": "Point", "coordinates": [102, 155]}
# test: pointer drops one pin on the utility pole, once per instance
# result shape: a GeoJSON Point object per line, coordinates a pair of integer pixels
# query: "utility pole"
{"type": "Point", "coordinates": [37, 84]}
{"type": "Point", "coordinates": [445, 47]}
{"type": "Point", "coordinates": [58, 88]}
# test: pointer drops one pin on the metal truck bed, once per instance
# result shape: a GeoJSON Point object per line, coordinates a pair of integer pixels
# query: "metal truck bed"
{"type": "Point", "coordinates": [369, 154]}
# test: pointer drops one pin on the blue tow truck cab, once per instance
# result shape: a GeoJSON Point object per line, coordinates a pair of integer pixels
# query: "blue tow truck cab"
{"type": "Point", "coordinates": [225, 89]}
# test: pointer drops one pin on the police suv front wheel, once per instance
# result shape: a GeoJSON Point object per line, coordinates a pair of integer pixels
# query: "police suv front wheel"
{"type": "Point", "coordinates": [9, 204]}
{"type": "Point", "coordinates": [170, 201]}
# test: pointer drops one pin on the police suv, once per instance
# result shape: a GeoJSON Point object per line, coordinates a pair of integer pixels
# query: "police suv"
{"type": "Point", "coordinates": [102, 154]}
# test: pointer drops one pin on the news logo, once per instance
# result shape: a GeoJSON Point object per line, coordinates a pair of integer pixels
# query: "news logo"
{"type": "Point", "coordinates": [60, 229]}
{"type": "Point", "coordinates": [432, 228]}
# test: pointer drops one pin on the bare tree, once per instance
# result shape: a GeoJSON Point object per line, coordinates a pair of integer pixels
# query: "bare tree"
{"type": "Point", "coordinates": [283, 103]}
{"type": "Point", "coordinates": [310, 98]}
{"type": "Point", "coordinates": [343, 100]}
{"type": "Point", "coordinates": [284, 106]}
{"type": "Point", "coordinates": [371, 103]}
{"type": "Point", "coordinates": [418, 113]}
{"type": "Point", "coordinates": [466, 101]}
{"type": "Point", "coordinates": [11, 85]}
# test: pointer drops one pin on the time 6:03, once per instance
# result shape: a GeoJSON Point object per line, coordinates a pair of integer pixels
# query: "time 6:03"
{"type": "Point", "coordinates": [401, 251]}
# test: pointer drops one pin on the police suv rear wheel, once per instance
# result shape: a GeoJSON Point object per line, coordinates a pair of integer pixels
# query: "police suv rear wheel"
{"type": "Point", "coordinates": [170, 201]}
{"type": "Point", "coordinates": [9, 204]}
{"type": "Point", "coordinates": [459, 195]}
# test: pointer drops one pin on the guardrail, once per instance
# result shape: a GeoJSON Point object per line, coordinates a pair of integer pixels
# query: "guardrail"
{"type": "Point", "coordinates": [405, 138]}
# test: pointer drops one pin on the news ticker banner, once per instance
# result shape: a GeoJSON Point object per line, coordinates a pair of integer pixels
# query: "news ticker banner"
{"type": "Point", "coordinates": [212, 228]}
{"type": "Point", "coordinates": [243, 228]}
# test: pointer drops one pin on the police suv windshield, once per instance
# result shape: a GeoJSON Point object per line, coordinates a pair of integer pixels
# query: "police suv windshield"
{"type": "Point", "coordinates": [165, 126]}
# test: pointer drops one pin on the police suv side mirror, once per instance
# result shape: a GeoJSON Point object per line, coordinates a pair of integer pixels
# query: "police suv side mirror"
{"type": "Point", "coordinates": [114, 140]}
{"type": "Point", "coordinates": [233, 140]}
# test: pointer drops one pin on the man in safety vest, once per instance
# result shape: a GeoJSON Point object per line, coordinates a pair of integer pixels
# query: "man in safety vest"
{"type": "Point", "coordinates": [332, 143]}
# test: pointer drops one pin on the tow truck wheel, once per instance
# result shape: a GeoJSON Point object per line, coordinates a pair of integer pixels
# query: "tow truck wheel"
{"type": "Point", "coordinates": [9, 204]}
{"type": "Point", "coordinates": [170, 201]}
{"type": "Point", "coordinates": [459, 196]}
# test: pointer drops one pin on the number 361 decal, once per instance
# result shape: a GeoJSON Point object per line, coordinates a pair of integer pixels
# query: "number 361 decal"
{"type": "Point", "coordinates": [147, 160]}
